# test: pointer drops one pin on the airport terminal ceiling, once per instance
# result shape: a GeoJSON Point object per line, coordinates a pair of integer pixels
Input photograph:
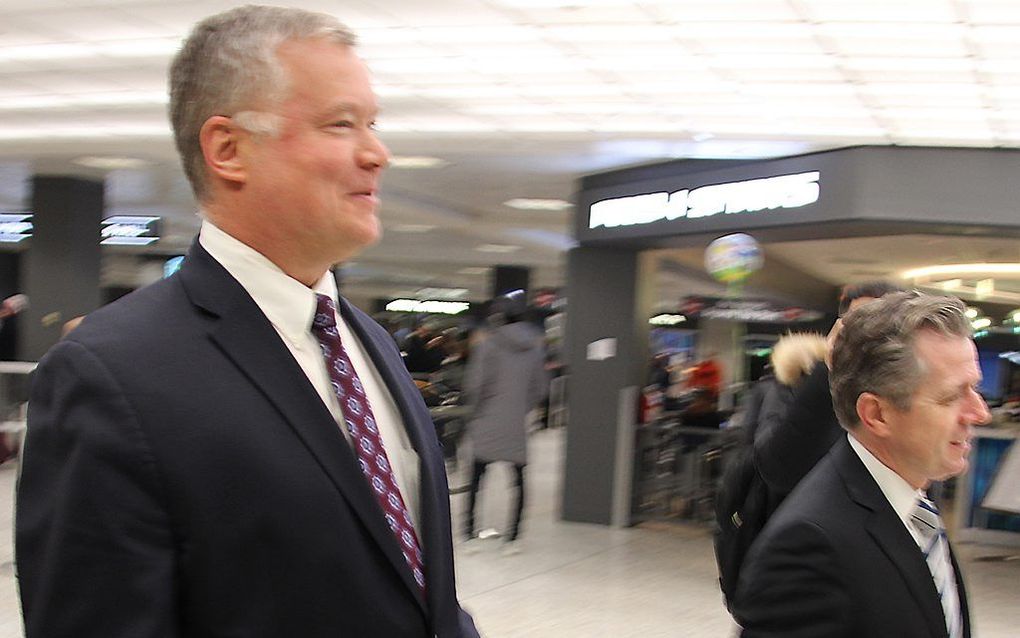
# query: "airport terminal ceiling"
{"type": "Point", "coordinates": [518, 99]}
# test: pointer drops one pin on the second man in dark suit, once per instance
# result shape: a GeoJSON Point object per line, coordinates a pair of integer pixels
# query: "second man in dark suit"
{"type": "Point", "coordinates": [857, 549]}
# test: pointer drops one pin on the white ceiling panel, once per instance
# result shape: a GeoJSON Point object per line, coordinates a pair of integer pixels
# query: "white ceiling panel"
{"type": "Point", "coordinates": [735, 11]}
{"type": "Point", "coordinates": [900, 11]}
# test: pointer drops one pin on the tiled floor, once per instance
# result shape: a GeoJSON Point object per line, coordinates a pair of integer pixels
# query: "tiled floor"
{"type": "Point", "coordinates": [575, 580]}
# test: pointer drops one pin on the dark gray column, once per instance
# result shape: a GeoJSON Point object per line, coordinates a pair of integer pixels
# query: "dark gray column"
{"type": "Point", "coordinates": [10, 284]}
{"type": "Point", "coordinates": [60, 269]}
{"type": "Point", "coordinates": [609, 293]}
{"type": "Point", "coordinates": [507, 278]}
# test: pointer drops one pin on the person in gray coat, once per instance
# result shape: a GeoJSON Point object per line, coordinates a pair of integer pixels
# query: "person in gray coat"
{"type": "Point", "coordinates": [505, 379]}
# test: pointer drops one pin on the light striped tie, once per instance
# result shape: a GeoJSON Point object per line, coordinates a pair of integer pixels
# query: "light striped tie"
{"type": "Point", "coordinates": [935, 546]}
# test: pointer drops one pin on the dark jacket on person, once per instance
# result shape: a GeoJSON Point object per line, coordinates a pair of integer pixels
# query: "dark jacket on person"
{"type": "Point", "coordinates": [183, 479]}
{"type": "Point", "coordinates": [836, 561]}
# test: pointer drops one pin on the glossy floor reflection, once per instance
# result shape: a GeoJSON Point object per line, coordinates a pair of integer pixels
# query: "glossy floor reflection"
{"type": "Point", "coordinates": [572, 580]}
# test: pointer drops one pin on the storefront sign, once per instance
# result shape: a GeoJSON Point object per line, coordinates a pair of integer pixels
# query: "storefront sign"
{"type": "Point", "coordinates": [15, 227]}
{"type": "Point", "coordinates": [770, 193]}
{"type": "Point", "coordinates": [747, 310]}
{"type": "Point", "coordinates": [129, 230]}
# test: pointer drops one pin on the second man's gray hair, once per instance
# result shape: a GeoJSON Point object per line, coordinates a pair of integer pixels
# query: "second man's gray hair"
{"type": "Point", "coordinates": [874, 351]}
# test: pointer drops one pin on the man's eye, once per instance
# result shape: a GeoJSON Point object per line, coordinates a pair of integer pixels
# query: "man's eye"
{"type": "Point", "coordinates": [343, 124]}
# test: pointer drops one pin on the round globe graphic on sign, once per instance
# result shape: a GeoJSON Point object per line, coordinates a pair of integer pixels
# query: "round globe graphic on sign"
{"type": "Point", "coordinates": [732, 259]}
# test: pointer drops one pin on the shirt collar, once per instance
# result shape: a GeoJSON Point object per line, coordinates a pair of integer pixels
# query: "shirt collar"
{"type": "Point", "coordinates": [287, 303]}
{"type": "Point", "coordinates": [897, 491]}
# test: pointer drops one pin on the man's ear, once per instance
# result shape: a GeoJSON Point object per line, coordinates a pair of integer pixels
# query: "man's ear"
{"type": "Point", "coordinates": [221, 139]}
{"type": "Point", "coordinates": [874, 412]}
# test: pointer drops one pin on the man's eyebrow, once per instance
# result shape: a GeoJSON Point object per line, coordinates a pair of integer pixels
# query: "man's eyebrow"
{"type": "Point", "coordinates": [342, 108]}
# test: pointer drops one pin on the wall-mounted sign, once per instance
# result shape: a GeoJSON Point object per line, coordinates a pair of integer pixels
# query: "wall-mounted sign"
{"type": "Point", "coordinates": [753, 195]}
{"type": "Point", "coordinates": [747, 310]}
{"type": "Point", "coordinates": [15, 227]}
{"type": "Point", "coordinates": [429, 307]}
{"type": "Point", "coordinates": [130, 230]}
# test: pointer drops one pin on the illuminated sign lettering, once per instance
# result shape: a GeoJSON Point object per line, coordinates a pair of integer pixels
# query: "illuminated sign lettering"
{"type": "Point", "coordinates": [129, 230]}
{"type": "Point", "coordinates": [769, 193]}
{"type": "Point", "coordinates": [431, 307]}
{"type": "Point", "coordinates": [15, 227]}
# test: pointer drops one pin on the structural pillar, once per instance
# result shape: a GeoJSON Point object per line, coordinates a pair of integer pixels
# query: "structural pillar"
{"type": "Point", "coordinates": [610, 293]}
{"type": "Point", "coordinates": [60, 269]}
{"type": "Point", "coordinates": [508, 278]}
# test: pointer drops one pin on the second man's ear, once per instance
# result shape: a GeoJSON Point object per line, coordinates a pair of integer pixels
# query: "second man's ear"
{"type": "Point", "coordinates": [221, 139]}
{"type": "Point", "coordinates": [873, 412]}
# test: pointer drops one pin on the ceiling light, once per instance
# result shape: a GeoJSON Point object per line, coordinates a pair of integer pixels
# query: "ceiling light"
{"type": "Point", "coordinates": [951, 284]}
{"type": "Point", "coordinates": [666, 319]}
{"type": "Point", "coordinates": [497, 248]}
{"type": "Point", "coordinates": [110, 98]}
{"type": "Point", "coordinates": [428, 307]}
{"type": "Point", "coordinates": [984, 287]}
{"type": "Point", "coordinates": [963, 269]}
{"type": "Point", "coordinates": [980, 324]}
{"type": "Point", "coordinates": [111, 163]}
{"type": "Point", "coordinates": [472, 271]}
{"type": "Point", "coordinates": [83, 132]}
{"type": "Point", "coordinates": [441, 293]}
{"type": "Point", "coordinates": [524, 203]}
{"type": "Point", "coordinates": [412, 228]}
{"type": "Point", "coordinates": [416, 161]}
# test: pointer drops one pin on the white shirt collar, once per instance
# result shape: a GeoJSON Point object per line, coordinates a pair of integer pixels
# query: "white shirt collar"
{"type": "Point", "coordinates": [897, 491]}
{"type": "Point", "coordinates": [287, 303]}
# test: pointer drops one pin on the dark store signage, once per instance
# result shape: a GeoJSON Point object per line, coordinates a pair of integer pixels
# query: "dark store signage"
{"type": "Point", "coordinates": [749, 196]}
{"type": "Point", "coordinates": [748, 310]}
{"type": "Point", "coordinates": [130, 230]}
{"type": "Point", "coordinates": [15, 227]}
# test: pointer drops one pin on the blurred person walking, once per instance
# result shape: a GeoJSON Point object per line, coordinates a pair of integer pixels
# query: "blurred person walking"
{"type": "Point", "coordinates": [236, 450]}
{"type": "Point", "coordinates": [505, 379]}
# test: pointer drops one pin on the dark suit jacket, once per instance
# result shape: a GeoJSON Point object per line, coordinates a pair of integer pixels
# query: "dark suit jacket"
{"type": "Point", "coordinates": [182, 478]}
{"type": "Point", "coordinates": [836, 561]}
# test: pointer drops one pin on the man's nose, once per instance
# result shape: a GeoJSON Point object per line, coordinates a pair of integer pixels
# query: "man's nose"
{"type": "Point", "coordinates": [979, 413]}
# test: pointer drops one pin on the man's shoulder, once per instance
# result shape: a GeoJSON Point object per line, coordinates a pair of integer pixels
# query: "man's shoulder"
{"type": "Point", "coordinates": [147, 313]}
{"type": "Point", "coordinates": [820, 498]}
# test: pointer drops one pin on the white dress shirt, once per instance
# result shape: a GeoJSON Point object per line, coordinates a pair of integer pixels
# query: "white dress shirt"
{"type": "Point", "coordinates": [290, 307]}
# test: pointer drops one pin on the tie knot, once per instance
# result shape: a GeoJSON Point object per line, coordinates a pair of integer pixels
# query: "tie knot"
{"type": "Point", "coordinates": [325, 313]}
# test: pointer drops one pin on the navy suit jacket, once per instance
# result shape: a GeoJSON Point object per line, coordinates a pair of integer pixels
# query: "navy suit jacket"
{"type": "Point", "coordinates": [836, 561]}
{"type": "Point", "coordinates": [182, 478]}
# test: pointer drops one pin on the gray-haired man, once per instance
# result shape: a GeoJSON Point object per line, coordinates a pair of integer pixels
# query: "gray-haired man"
{"type": "Point", "coordinates": [857, 549]}
{"type": "Point", "coordinates": [237, 451]}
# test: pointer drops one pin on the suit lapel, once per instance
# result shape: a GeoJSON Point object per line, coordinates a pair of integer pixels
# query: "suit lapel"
{"type": "Point", "coordinates": [889, 533]}
{"type": "Point", "coordinates": [244, 334]}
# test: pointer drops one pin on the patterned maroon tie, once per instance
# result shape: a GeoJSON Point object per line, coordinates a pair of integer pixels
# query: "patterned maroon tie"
{"type": "Point", "coordinates": [365, 438]}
